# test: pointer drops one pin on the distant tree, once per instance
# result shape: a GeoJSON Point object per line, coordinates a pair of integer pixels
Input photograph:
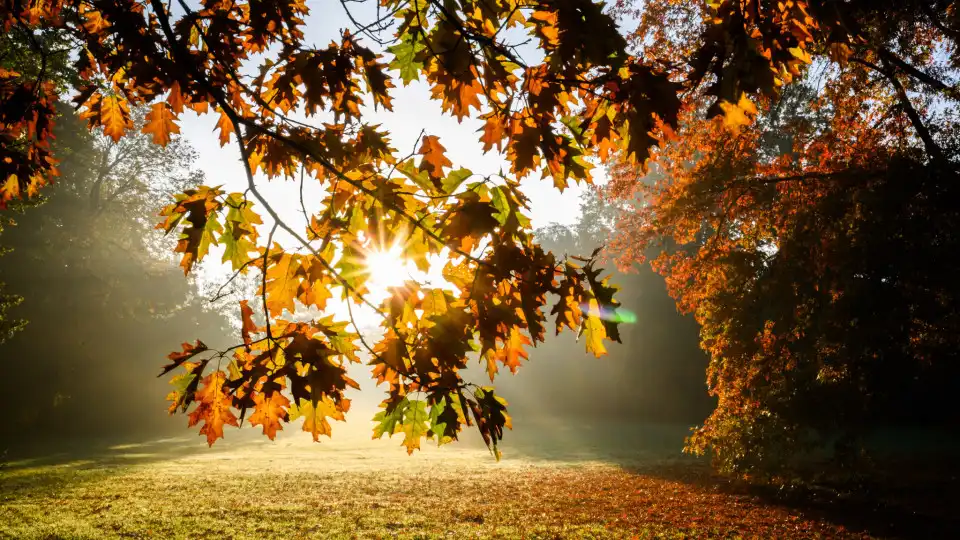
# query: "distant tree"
{"type": "Point", "coordinates": [100, 287]}
{"type": "Point", "coordinates": [810, 230]}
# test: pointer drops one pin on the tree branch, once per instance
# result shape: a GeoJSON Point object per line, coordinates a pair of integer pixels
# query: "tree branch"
{"type": "Point", "coordinates": [933, 150]}
{"type": "Point", "coordinates": [921, 76]}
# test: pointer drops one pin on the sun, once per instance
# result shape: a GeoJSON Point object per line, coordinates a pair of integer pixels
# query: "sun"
{"type": "Point", "coordinates": [387, 268]}
{"type": "Point", "coordinates": [384, 267]}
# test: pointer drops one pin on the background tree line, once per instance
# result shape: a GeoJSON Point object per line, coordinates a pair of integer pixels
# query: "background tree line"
{"type": "Point", "coordinates": [91, 294]}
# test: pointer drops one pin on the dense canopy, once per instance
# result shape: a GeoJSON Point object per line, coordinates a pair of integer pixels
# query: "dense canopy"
{"type": "Point", "coordinates": [809, 229]}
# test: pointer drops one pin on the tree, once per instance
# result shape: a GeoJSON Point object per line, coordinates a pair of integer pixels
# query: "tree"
{"type": "Point", "coordinates": [805, 216]}
{"type": "Point", "coordinates": [99, 286]}
{"type": "Point", "coordinates": [248, 62]}
{"type": "Point", "coordinates": [8, 327]}
{"type": "Point", "coordinates": [32, 55]}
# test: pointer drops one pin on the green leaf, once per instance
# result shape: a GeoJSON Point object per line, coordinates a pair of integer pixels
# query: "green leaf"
{"type": "Point", "coordinates": [181, 384]}
{"type": "Point", "coordinates": [388, 419]}
{"type": "Point", "coordinates": [239, 231]}
{"type": "Point", "coordinates": [573, 124]}
{"type": "Point", "coordinates": [209, 236]}
{"type": "Point", "coordinates": [352, 268]}
{"type": "Point", "coordinates": [415, 425]}
{"type": "Point", "coordinates": [454, 179]}
{"type": "Point", "coordinates": [358, 220]}
{"type": "Point", "coordinates": [490, 412]}
{"type": "Point", "coordinates": [408, 417]}
{"type": "Point", "coordinates": [405, 58]}
{"type": "Point", "coordinates": [446, 416]}
{"type": "Point", "coordinates": [502, 205]}
{"type": "Point", "coordinates": [420, 178]}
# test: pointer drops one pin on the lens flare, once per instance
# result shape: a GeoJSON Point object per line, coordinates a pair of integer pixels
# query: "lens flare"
{"type": "Point", "coordinates": [618, 315]}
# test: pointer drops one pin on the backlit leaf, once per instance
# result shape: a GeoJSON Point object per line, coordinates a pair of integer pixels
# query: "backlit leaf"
{"type": "Point", "coordinates": [269, 412]}
{"type": "Point", "coordinates": [160, 123]}
{"type": "Point", "coordinates": [315, 416]}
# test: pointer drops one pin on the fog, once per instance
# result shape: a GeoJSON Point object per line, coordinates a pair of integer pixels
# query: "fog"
{"type": "Point", "coordinates": [104, 306]}
{"type": "Point", "coordinates": [104, 303]}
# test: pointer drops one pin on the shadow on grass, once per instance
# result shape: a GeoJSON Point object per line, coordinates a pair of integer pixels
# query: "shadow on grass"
{"type": "Point", "coordinates": [909, 493]}
{"type": "Point", "coordinates": [101, 451]}
{"type": "Point", "coordinates": [43, 466]}
{"type": "Point", "coordinates": [904, 498]}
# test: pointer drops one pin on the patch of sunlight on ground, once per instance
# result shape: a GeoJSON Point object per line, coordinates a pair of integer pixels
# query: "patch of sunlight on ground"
{"type": "Point", "coordinates": [595, 481]}
{"type": "Point", "coordinates": [126, 446]}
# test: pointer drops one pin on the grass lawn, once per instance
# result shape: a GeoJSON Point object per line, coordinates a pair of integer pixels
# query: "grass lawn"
{"type": "Point", "coordinates": [245, 487]}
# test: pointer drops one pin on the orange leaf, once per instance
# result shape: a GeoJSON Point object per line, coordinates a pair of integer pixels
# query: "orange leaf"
{"type": "Point", "coordinates": [269, 412]}
{"type": "Point", "coordinates": [247, 326]}
{"type": "Point", "coordinates": [513, 351]}
{"type": "Point", "coordinates": [494, 131]}
{"type": "Point", "coordinates": [213, 409]}
{"type": "Point", "coordinates": [160, 123]}
{"type": "Point", "coordinates": [115, 117]}
{"type": "Point", "coordinates": [434, 159]}
{"type": "Point", "coordinates": [225, 126]}
{"type": "Point", "coordinates": [175, 99]}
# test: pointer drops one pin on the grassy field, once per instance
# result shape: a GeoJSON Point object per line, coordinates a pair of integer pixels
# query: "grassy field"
{"type": "Point", "coordinates": [547, 486]}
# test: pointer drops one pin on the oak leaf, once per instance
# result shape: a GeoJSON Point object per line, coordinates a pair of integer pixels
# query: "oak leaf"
{"type": "Point", "coordinates": [213, 408]}
{"type": "Point", "coordinates": [160, 124]}
{"type": "Point", "coordinates": [315, 414]}
{"type": "Point", "coordinates": [115, 117]}
{"type": "Point", "coordinates": [269, 412]}
{"type": "Point", "coordinates": [434, 159]}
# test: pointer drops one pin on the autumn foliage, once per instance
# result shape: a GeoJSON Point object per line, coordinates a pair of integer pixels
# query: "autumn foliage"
{"type": "Point", "coordinates": [773, 210]}
{"type": "Point", "coordinates": [804, 214]}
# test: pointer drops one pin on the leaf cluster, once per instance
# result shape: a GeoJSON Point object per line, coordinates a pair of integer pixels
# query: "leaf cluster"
{"type": "Point", "coordinates": [798, 215]}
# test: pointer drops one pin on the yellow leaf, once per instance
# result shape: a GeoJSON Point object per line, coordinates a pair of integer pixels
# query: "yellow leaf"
{"type": "Point", "coordinates": [735, 116]}
{"type": "Point", "coordinates": [594, 331]}
{"type": "Point", "coordinates": [10, 189]}
{"type": "Point", "coordinates": [800, 54]}
{"type": "Point", "coordinates": [315, 416]}
{"type": "Point", "coordinates": [746, 105]}
{"type": "Point", "coordinates": [284, 275]}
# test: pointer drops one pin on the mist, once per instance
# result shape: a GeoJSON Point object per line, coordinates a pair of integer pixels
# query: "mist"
{"type": "Point", "coordinates": [100, 297]}
{"type": "Point", "coordinates": [104, 303]}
